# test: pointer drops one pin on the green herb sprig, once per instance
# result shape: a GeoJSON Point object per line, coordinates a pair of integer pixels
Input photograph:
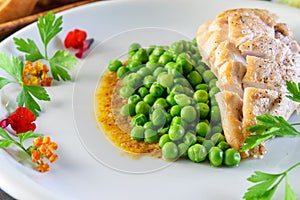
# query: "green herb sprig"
{"type": "Point", "coordinates": [28, 94]}
{"type": "Point", "coordinates": [62, 61]}
{"type": "Point", "coordinates": [266, 184]}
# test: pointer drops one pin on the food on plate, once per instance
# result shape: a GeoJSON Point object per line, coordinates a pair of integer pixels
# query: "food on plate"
{"type": "Point", "coordinates": [161, 100]}
{"type": "Point", "coordinates": [253, 56]}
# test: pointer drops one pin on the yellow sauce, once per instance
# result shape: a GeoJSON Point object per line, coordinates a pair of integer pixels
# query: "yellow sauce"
{"type": "Point", "coordinates": [116, 127]}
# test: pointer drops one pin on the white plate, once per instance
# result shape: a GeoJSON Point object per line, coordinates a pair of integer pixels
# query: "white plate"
{"type": "Point", "coordinates": [89, 166]}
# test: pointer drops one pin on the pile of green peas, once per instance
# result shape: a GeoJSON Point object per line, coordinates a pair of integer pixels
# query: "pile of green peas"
{"type": "Point", "coordinates": [171, 101]}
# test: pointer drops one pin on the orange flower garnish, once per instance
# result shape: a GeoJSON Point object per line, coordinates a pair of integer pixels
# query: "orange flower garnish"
{"type": "Point", "coordinates": [36, 74]}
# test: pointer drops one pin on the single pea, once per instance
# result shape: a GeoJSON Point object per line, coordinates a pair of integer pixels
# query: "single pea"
{"type": "Point", "coordinates": [166, 80]}
{"type": "Point", "coordinates": [183, 150]}
{"type": "Point", "coordinates": [197, 153]}
{"type": "Point", "coordinates": [150, 49]}
{"type": "Point", "coordinates": [177, 89]}
{"type": "Point", "coordinates": [190, 138]}
{"type": "Point", "coordinates": [176, 132]}
{"type": "Point", "coordinates": [151, 136]}
{"type": "Point", "coordinates": [217, 129]}
{"type": "Point", "coordinates": [143, 91]}
{"type": "Point", "coordinates": [177, 47]}
{"type": "Point", "coordinates": [114, 65]}
{"type": "Point", "coordinates": [158, 71]}
{"type": "Point", "coordinates": [148, 81]}
{"type": "Point", "coordinates": [134, 99]}
{"type": "Point", "coordinates": [133, 80]}
{"type": "Point", "coordinates": [170, 99]}
{"type": "Point", "coordinates": [182, 99]}
{"type": "Point", "coordinates": [134, 65]}
{"type": "Point", "coordinates": [134, 47]}
{"type": "Point", "coordinates": [188, 91]}
{"type": "Point", "coordinates": [202, 129]}
{"type": "Point", "coordinates": [175, 70]}
{"type": "Point", "coordinates": [149, 125]}
{"type": "Point", "coordinates": [217, 138]}
{"type": "Point", "coordinates": [208, 76]}
{"type": "Point", "coordinates": [182, 81]}
{"type": "Point", "coordinates": [201, 68]}
{"type": "Point", "coordinates": [139, 120]}
{"type": "Point", "coordinates": [158, 51]}
{"type": "Point", "coordinates": [158, 117]}
{"type": "Point", "coordinates": [165, 58]}
{"type": "Point", "coordinates": [203, 109]}
{"type": "Point", "coordinates": [202, 86]}
{"type": "Point", "coordinates": [156, 89]}
{"type": "Point", "coordinates": [153, 58]}
{"type": "Point", "coordinates": [161, 103]}
{"type": "Point", "coordinates": [223, 145]}
{"type": "Point", "coordinates": [215, 156]}
{"type": "Point", "coordinates": [213, 101]}
{"type": "Point", "coordinates": [122, 71]}
{"type": "Point", "coordinates": [137, 133]}
{"type": "Point", "coordinates": [175, 110]}
{"type": "Point", "coordinates": [194, 78]}
{"type": "Point", "coordinates": [213, 91]}
{"type": "Point", "coordinates": [186, 64]}
{"type": "Point", "coordinates": [188, 113]}
{"type": "Point", "coordinates": [163, 140]}
{"type": "Point", "coordinates": [232, 157]}
{"type": "Point", "coordinates": [144, 71]}
{"type": "Point", "coordinates": [215, 115]}
{"type": "Point", "coordinates": [170, 151]}
{"type": "Point", "coordinates": [212, 83]}
{"type": "Point", "coordinates": [180, 121]}
{"type": "Point", "coordinates": [126, 91]}
{"type": "Point", "coordinates": [128, 110]}
{"type": "Point", "coordinates": [201, 96]}
{"type": "Point", "coordinates": [142, 108]}
{"type": "Point", "coordinates": [208, 144]}
{"type": "Point", "coordinates": [141, 55]}
{"type": "Point", "coordinates": [149, 99]}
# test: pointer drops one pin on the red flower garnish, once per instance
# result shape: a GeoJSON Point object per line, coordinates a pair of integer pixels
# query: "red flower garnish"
{"type": "Point", "coordinates": [21, 121]}
{"type": "Point", "coordinates": [77, 39]}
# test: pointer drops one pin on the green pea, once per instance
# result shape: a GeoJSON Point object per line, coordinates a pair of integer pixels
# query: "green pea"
{"type": "Point", "coordinates": [156, 89]}
{"type": "Point", "coordinates": [182, 81]}
{"type": "Point", "coordinates": [139, 120]}
{"type": "Point", "coordinates": [201, 96]}
{"type": "Point", "coordinates": [188, 91]}
{"type": "Point", "coordinates": [151, 136]}
{"type": "Point", "coordinates": [213, 91]}
{"type": "Point", "coordinates": [137, 133]}
{"type": "Point", "coordinates": [169, 117]}
{"type": "Point", "coordinates": [166, 80]}
{"type": "Point", "coordinates": [144, 71]}
{"type": "Point", "coordinates": [122, 71]}
{"type": "Point", "coordinates": [213, 101]}
{"type": "Point", "coordinates": [215, 115]}
{"type": "Point", "coordinates": [186, 64]}
{"type": "Point", "coordinates": [149, 125]}
{"type": "Point", "coordinates": [223, 145]}
{"type": "Point", "coordinates": [188, 113]}
{"type": "Point", "coordinates": [179, 121]}
{"type": "Point", "coordinates": [158, 117]}
{"type": "Point", "coordinates": [177, 47]}
{"type": "Point", "coordinates": [201, 68]}
{"type": "Point", "coordinates": [165, 58]}
{"type": "Point", "coordinates": [183, 150]}
{"type": "Point", "coordinates": [175, 110]}
{"type": "Point", "coordinates": [197, 153]}
{"type": "Point", "coordinates": [158, 71]}
{"type": "Point", "coordinates": [232, 157]}
{"type": "Point", "coordinates": [174, 69]}
{"type": "Point", "coordinates": [133, 80]}
{"type": "Point", "coordinates": [163, 140]}
{"type": "Point", "coordinates": [212, 83]}
{"type": "Point", "coordinates": [182, 99]}
{"type": "Point", "coordinates": [203, 109]}
{"type": "Point", "coordinates": [134, 99]}
{"type": "Point", "coordinates": [158, 51]}
{"type": "Point", "coordinates": [126, 91]}
{"type": "Point", "coordinates": [194, 78]}
{"type": "Point", "coordinates": [134, 47]}
{"type": "Point", "coordinates": [177, 89]}
{"type": "Point", "coordinates": [200, 139]}
{"type": "Point", "coordinates": [153, 58]}
{"type": "Point", "coordinates": [202, 129]}
{"type": "Point", "coordinates": [150, 49]}
{"type": "Point", "coordinates": [208, 144]}
{"type": "Point", "coordinates": [161, 103]}
{"type": "Point", "coordinates": [217, 128]}
{"type": "Point", "coordinates": [143, 91]}
{"type": "Point", "coordinates": [217, 137]}
{"type": "Point", "coordinates": [170, 151]}
{"type": "Point", "coordinates": [163, 131]}
{"type": "Point", "coordinates": [208, 76]}
{"type": "Point", "coordinates": [149, 99]}
{"type": "Point", "coordinates": [215, 156]}
{"type": "Point", "coordinates": [128, 110]}
{"type": "Point", "coordinates": [170, 99]}
{"type": "Point", "coordinates": [148, 81]}
{"type": "Point", "coordinates": [142, 108]}
{"type": "Point", "coordinates": [134, 65]}
{"type": "Point", "coordinates": [202, 86]}
{"type": "Point", "coordinates": [114, 65]}
{"type": "Point", "coordinates": [176, 132]}
{"type": "Point", "coordinates": [141, 55]}
{"type": "Point", "coordinates": [190, 138]}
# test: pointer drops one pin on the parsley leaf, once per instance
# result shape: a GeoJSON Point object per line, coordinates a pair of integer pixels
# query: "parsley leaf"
{"type": "Point", "coordinates": [266, 185]}
{"type": "Point", "coordinates": [268, 126]}
{"type": "Point", "coordinates": [294, 90]}
{"type": "Point", "coordinates": [27, 135]}
{"type": "Point", "coordinates": [30, 48]}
